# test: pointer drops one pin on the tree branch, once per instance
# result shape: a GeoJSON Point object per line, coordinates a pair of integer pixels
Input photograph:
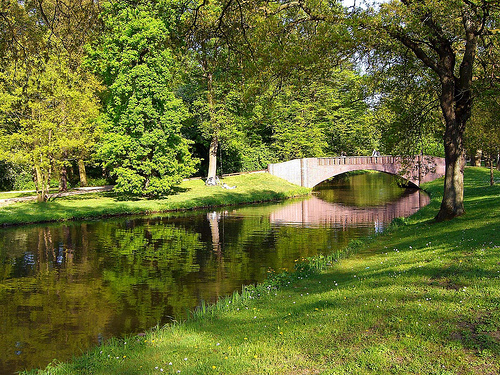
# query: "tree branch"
{"type": "Point", "coordinates": [415, 47]}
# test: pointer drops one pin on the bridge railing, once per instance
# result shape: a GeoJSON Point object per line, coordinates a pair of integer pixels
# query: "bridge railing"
{"type": "Point", "coordinates": [356, 160]}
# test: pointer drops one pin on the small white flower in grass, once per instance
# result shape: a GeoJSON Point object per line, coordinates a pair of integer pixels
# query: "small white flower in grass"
{"type": "Point", "coordinates": [185, 359]}
{"type": "Point", "coordinates": [218, 343]}
{"type": "Point", "coordinates": [170, 363]}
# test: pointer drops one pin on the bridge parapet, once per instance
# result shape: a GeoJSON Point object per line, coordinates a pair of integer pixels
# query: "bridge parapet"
{"type": "Point", "coordinates": [355, 160]}
{"type": "Point", "coordinates": [309, 172]}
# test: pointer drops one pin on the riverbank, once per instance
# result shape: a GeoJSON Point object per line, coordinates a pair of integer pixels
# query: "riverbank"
{"type": "Point", "coordinates": [420, 298]}
{"type": "Point", "coordinates": [190, 194]}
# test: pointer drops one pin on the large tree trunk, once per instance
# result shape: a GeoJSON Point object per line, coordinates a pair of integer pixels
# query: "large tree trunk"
{"type": "Point", "coordinates": [42, 183]}
{"type": "Point", "coordinates": [452, 204]}
{"type": "Point", "coordinates": [212, 157]}
{"type": "Point", "coordinates": [39, 185]}
{"type": "Point", "coordinates": [83, 173]}
{"type": "Point", "coordinates": [63, 179]}
{"type": "Point", "coordinates": [456, 108]}
{"type": "Point", "coordinates": [214, 143]}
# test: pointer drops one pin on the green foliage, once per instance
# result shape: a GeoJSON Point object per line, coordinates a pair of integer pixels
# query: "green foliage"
{"type": "Point", "coordinates": [408, 114]}
{"type": "Point", "coordinates": [325, 117]}
{"type": "Point", "coordinates": [47, 114]}
{"type": "Point", "coordinates": [142, 144]}
{"type": "Point", "coordinates": [483, 130]}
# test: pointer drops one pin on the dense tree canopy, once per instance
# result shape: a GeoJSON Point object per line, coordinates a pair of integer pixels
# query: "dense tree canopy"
{"type": "Point", "coordinates": [47, 115]}
{"type": "Point", "coordinates": [142, 143]}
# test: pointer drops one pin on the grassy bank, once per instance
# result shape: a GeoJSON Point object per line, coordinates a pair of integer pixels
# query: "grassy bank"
{"type": "Point", "coordinates": [421, 298]}
{"type": "Point", "coordinates": [190, 194]}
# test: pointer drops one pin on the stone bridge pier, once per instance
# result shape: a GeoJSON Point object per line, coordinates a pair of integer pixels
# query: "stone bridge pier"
{"type": "Point", "coordinates": [309, 172]}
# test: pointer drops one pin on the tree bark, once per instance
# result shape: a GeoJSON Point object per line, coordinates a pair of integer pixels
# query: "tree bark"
{"type": "Point", "coordinates": [214, 143]}
{"type": "Point", "coordinates": [456, 109]}
{"type": "Point", "coordinates": [212, 157]}
{"type": "Point", "coordinates": [39, 185]}
{"type": "Point", "coordinates": [42, 185]}
{"type": "Point", "coordinates": [83, 173]}
{"type": "Point", "coordinates": [63, 179]}
{"type": "Point", "coordinates": [452, 204]}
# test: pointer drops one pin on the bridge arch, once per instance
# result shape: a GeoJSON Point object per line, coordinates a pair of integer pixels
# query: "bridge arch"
{"type": "Point", "coordinates": [309, 172]}
{"type": "Point", "coordinates": [381, 170]}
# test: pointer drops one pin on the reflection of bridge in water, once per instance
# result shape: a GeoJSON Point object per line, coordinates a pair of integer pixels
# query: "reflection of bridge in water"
{"type": "Point", "coordinates": [317, 212]}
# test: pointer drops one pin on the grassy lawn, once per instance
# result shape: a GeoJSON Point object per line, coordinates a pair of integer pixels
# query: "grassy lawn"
{"type": "Point", "coordinates": [422, 298]}
{"type": "Point", "coordinates": [189, 195]}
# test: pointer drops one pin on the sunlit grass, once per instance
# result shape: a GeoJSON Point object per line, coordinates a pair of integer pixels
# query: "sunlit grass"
{"type": "Point", "coordinates": [422, 298]}
{"type": "Point", "coordinates": [190, 194]}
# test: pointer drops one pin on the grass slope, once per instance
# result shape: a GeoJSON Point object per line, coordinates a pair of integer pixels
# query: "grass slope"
{"type": "Point", "coordinates": [190, 194]}
{"type": "Point", "coordinates": [423, 298]}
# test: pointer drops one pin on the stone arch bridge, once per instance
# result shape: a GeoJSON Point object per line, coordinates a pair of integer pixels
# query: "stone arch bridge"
{"type": "Point", "coordinates": [309, 172]}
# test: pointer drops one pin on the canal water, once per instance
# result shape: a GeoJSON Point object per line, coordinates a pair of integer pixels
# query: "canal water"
{"type": "Point", "coordinates": [65, 288]}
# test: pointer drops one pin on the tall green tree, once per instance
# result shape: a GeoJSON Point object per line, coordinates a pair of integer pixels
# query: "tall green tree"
{"type": "Point", "coordinates": [445, 37]}
{"type": "Point", "coordinates": [33, 33]}
{"type": "Point", "coordinates": [218, 46]}
{"type": "Point", "coordinates": [46, 114]}
{"type": "Point", "coordinates": [142, 143]}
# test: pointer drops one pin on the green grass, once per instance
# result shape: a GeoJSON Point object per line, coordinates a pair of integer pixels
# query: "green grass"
{"type": "Point", "coordinates": [422, 298]}
{"type": "Point", "coordinates": [21, 194]}
{"type": "Point", "coordinates": [190, 194]}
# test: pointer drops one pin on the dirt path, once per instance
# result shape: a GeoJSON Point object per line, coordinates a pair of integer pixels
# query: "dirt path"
{"type": "Point", "coordinates": [76, 191]}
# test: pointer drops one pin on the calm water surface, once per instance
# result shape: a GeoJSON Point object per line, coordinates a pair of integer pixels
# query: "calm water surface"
{"type": "Point", "coordinates": [66, 288]}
